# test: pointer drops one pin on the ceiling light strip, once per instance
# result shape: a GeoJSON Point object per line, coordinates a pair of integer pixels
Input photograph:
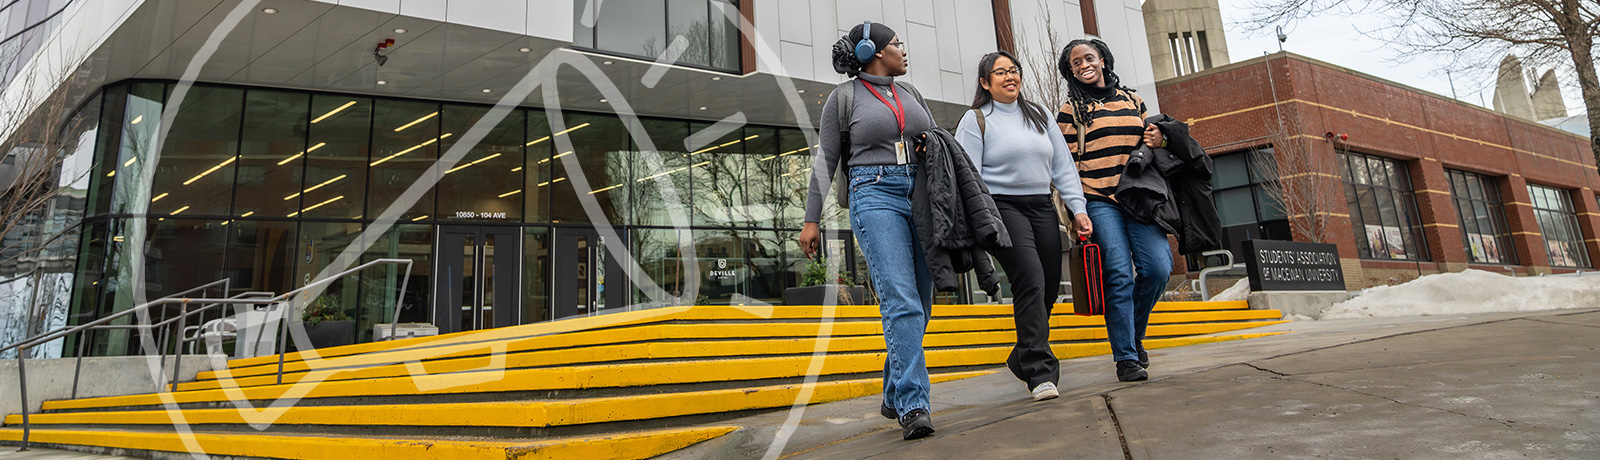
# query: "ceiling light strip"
{"type": "Point", "coordinates": [334, 111]}
{"type": "Point", "coordinates": [414, 123]}
{"type": "Point", "coordinates": [212, 170]}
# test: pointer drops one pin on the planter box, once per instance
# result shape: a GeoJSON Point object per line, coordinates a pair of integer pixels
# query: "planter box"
{"type": "Point", "coordinates": [820, 295]}
{"type": "Point", "coordinates": [331, 333]}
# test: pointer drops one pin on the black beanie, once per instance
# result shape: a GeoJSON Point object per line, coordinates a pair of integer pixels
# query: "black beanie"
{"type": "Point", "coordinates": [881, 36]}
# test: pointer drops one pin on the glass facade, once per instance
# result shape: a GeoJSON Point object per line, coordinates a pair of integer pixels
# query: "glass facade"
{"type": "Point", "coordinates": [1383, 207]}
{"type": "Point", "coordinates": [273, 189]}
{"type": "Point", "coordinates": [1558, 222]}
{"type": "Point", "coordinates": [708, 30]}
{"type": "Point", "coordinates": [1242, 190]}
{"type": "Point", "coordinates": [1484, 233]}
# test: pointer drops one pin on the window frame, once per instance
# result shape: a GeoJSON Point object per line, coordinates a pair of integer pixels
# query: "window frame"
{"type": "Point", "coordinates": [1567, 230]}
{"type": "Point", "coordinates": [736, 67]}
{"type": "Point", "coordinates": [1487, 199]}
{"type": "Point", "coordinates": [1392, 196]}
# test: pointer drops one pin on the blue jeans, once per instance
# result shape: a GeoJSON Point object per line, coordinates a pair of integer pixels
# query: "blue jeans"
{"type": "Point", "coordinates": [880, 214]}
{"type": "Point", "coordinates": [1137, 264]}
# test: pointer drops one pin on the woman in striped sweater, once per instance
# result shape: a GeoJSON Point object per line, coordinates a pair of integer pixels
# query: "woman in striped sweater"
{"type": "Point", "coordinates": [1103, 122]}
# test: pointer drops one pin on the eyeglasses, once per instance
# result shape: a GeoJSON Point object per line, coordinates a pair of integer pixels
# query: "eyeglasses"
{"type": "Point", "coordinates": [901, 45]}
{"type": "Point", "coordinates": [1014, 71]}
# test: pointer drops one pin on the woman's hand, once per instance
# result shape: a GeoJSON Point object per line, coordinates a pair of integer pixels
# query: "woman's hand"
{"type": "Point", "coordinates": [1153, 137]}
{"type": "Point", "coordinates": [810, 239]}
{"type": "Point", "coordinates": [1083, 225]}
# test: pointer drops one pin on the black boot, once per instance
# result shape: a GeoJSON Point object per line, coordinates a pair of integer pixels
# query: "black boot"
{"type": "Point", "coordinates": [916, 424]}
{"type": "Point", "coordinates": [1128, 370]}
{"type": "Point", "coordinates": [886, 411]}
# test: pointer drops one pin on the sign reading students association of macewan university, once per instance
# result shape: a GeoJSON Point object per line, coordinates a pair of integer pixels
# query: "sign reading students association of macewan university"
{"type": "Point", "coordinates": [1292, 266]}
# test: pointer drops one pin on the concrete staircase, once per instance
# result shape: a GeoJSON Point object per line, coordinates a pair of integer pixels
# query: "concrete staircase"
{"type": "Point", "coordinates": [625, 385]}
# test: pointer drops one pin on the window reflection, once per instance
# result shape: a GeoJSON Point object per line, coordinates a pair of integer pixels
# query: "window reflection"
{"type": "Point", "coordinates": [486, 184]}
{"type": "Point", "coordinates": [405, 138]}
{"type": "Point", "coordinates": [599, 151]}
{"type": "Point", "coordinates": [272, 153]}
{"type": "Point", "coordinates": [336, 158]}
{"type": "Point", "coordinates": [661, 187]}
{"type": "Point", "coordinates": [379, 285]}
{"type": "Point", "coordinates": [198, 156]}
{"type": "Point", "coordinates": [708, 29]}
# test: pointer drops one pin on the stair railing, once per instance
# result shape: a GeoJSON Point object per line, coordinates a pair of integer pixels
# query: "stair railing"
{"type": "Point", "coordinates": [186, 310]}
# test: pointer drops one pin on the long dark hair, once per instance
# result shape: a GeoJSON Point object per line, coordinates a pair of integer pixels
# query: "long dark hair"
{"type": "Point", "coordinates": [1030, 111]}
{"type": "Point", "coordinates": [1078, 93]}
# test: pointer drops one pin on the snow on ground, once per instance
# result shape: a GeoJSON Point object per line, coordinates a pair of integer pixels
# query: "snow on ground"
{"type": "Point", "coordinates": [1471, 291]}
{"type": "Point", "coordinates": [1239, 291]}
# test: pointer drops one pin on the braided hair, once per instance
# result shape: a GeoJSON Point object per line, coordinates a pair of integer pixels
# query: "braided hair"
{"type": "Point", "coordinates": [1078, 93]}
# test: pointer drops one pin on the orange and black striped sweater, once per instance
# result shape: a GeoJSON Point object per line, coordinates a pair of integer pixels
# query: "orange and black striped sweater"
{"type": "Point", "coordinates": [1117, 129]}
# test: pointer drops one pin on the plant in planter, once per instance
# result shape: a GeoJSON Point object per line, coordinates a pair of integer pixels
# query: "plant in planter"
{"type": "Point", "coordinates": [326, 324]}
{"type": "Point", "coordinates": [814, 286]}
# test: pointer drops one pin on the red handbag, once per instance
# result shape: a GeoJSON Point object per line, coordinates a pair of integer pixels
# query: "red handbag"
{"type": "Point", "coordinates": [1088, 278]}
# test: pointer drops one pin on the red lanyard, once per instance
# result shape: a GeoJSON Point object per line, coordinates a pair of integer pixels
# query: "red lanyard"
{"type": "Point", "coordinates": [899, 110]}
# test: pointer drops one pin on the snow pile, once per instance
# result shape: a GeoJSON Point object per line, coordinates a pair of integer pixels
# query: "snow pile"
{"type": "Point", "coordinates": [1471, 291]}
{"type": "Point", "coordinates": [1239, 291]}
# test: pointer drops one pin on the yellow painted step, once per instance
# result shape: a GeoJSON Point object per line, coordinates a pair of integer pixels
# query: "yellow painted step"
{"type": "Point", "coordinates": [697, 313]}
{"type": "Point", "coordinates": [691, 349]}
{"type": "Point", "coordinates": [602, 376]}
{"type": "Point", "coordinates": [709, 331]}
{"type": "Point", "coordinates": [296, 446]}
{"type": "Point", "coordinates": [534, 414]}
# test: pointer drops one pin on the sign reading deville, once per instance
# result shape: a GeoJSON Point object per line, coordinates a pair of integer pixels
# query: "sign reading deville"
{"type": "Point", "coordinates": [1291, 266]}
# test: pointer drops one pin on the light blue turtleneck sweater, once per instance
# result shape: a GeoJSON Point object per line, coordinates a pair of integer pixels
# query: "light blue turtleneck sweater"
{"type": "Point", "coordinates": [1014, 159]}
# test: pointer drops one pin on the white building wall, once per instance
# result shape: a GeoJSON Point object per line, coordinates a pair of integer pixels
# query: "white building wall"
{"type": "Point", "coordinates": [943, 38]}
{"type": "Point", "coordinates": [548, 19]}
{"type": "Point", "coordinates": [1121, 24]}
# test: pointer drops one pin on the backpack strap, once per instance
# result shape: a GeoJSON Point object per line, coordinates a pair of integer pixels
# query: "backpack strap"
{"type": "Point", "coordinates": [844, 102]}
{"type": "Point", "coordinates": [979, 113]}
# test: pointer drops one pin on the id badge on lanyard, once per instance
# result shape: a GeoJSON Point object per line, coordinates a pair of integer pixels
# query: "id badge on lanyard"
{"type": "Point", "coordinates": [901, 156]}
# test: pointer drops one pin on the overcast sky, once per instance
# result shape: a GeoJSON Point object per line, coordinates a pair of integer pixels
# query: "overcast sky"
{"type": "Point", "coordinates": [1335, 40]}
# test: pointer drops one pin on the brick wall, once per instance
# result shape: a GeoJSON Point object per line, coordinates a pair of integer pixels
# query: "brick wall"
{"type": "Point", "coordinates": [1238, 106]}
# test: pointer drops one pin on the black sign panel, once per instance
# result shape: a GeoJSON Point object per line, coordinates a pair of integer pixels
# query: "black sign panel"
{"type": "Point", "coordinates": [1291, 266]}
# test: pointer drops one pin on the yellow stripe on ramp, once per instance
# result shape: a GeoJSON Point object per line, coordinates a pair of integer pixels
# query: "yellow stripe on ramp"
{"type": "Point", "coordinates": [532, 414]}
{"type": "Point", "coordinates": [294, 446]}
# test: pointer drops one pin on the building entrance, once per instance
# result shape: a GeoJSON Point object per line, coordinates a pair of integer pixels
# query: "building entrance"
{"type": "Point", "coordinates": [582, 263]}
{"type": "Point", "coordinates": [478, 277]}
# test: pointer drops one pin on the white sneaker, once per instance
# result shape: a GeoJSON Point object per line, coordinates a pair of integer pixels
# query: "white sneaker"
{"type": "Point", "coordinates": [1045, 391]}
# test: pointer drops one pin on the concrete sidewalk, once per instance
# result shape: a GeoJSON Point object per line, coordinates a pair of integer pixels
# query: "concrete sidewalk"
{"type": "Point", "coordinates": [1508, 385]}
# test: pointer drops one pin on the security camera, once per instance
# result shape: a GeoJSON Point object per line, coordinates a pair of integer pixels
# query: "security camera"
{"type": "Point", "coordinates": [1282, 37]}
{"type": "Point", "coordinates": [377, 53]}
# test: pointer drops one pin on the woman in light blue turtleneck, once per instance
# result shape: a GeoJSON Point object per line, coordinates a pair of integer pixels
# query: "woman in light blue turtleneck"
{"type": "Point", "coordinates": [1010, 142]}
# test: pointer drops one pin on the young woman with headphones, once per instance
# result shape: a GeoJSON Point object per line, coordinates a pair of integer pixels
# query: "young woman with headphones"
{"type": "Point", "coordinates": [875, 146]}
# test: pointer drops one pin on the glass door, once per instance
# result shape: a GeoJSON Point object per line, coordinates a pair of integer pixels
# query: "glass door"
{"type": "Point", "coordinates": [580, 268]}
{"type": "Point", "coordinates": [472, 281]}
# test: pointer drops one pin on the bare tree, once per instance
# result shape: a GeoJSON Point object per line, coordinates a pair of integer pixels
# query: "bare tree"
{"type": "Point", "coordinates": [1474, 34]}
{"type": "Point", "coordinates": [1304, 185]}
{"type": "Point", "coordinates": [41, 193]}
{"type": "Point", "coordinates": [1042, 82]}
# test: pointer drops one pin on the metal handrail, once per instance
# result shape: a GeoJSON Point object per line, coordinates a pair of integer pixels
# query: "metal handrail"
{"type": "Point", "coordinates": [182, 323]}
{"type": "Point", "coordinates": [1205, 289]}
{"type": "Point", "coordinates": [66, 331]}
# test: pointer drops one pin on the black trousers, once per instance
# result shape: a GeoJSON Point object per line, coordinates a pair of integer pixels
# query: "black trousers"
{"type": "Point", "coordinates": [1033, 265]}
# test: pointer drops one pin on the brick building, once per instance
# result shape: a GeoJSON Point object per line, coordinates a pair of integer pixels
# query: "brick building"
{"type": "Point", "coordinates": [1409, 183]}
